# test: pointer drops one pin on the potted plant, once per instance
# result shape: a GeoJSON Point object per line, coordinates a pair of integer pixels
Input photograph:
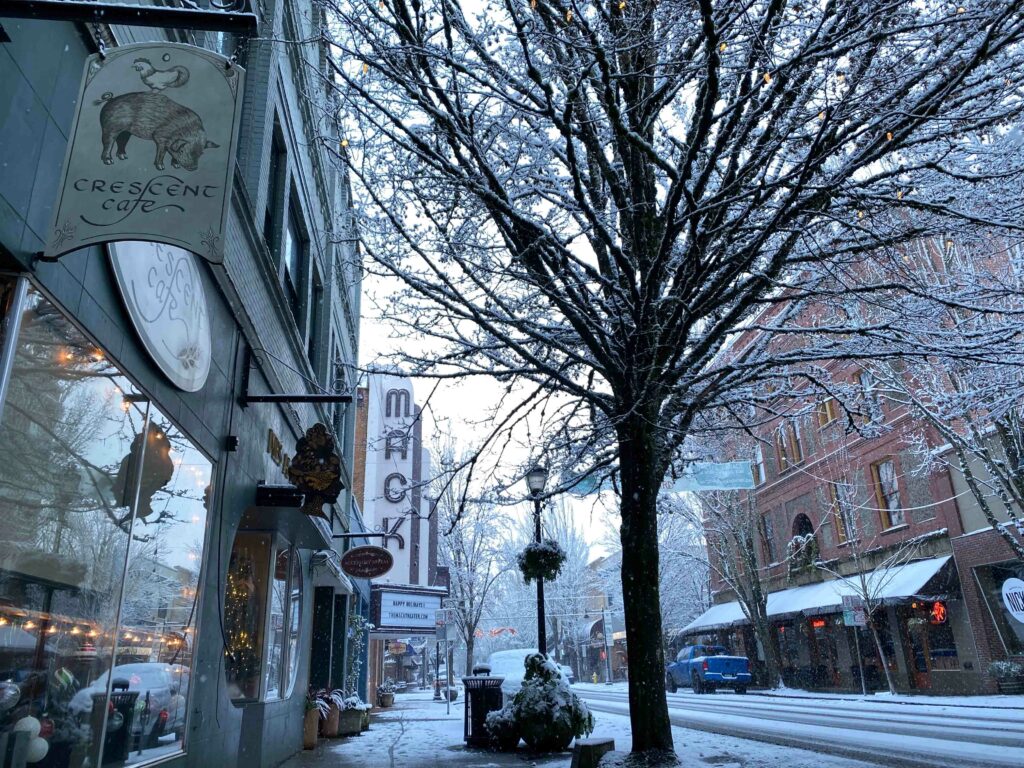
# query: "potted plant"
{"type": "Point", "coordinates": [352, 711]}
{"type": "Point", "coordinates": [316, 708]}
{"type": "Point", "coordinates": [503, 728]}
{"type": "Point", "coordinates": [386, 693]}
{"type": "Point", "coordinates": [1009, 676]}
{"type": "Point", "coordinates": [329, 724]}
{"type": "Point", "coordinates": [548, 713]}
{"type": "Point", "coordinates": [541, 560]}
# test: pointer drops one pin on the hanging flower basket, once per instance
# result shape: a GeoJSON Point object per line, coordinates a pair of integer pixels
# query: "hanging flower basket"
{"type": "Point", "coordinates": [541, 561]}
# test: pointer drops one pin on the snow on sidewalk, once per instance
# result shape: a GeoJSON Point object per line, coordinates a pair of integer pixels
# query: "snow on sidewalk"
{"type": "Point", "coordinates": [416, 733]}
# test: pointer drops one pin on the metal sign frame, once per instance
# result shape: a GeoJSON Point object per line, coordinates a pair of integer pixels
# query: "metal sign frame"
{"type": "Point", "coordinates": [237, 16]}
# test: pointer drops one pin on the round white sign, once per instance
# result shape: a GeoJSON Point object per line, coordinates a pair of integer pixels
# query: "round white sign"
{"type": "Point", "coordinates": [1013, 598]}
{"type": "Point", "coordinates": [163, 293]}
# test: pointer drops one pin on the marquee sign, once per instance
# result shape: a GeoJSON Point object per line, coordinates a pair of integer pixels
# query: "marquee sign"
{"type": "Point", "coordinates": [1013, 598]}
{"type": "Point", "coordinates": [237, 16]}
{"type": "Point", "coordinates": [151, 153]}
{"type": "Point", "coordinates": [367, 562]}
{"type": "Point", "coordinates": [405, 609]}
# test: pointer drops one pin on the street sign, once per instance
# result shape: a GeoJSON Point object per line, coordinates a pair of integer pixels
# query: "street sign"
{"type": "Point", "coordinates": [444, 626]}
{"type": "Point", "coordinates": [855, 618]}
{"type": "Point", "coordinates": [852, 601]}
{"type": "Point", "coordinates": [712, 476]}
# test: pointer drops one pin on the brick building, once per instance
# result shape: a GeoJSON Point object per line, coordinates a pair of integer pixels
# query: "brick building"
{"type": "Point", "coordinates": [834, 504]}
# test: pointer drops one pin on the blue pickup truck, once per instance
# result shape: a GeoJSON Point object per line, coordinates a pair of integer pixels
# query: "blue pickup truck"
{"type": "Point", "coordinates": [707, 667]}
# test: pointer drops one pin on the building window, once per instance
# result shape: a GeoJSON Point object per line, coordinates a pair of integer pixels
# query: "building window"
{"type": "Point", "coordinates": [262, 615]}
{"type": "Point", "coordinates": [840, 512]}
{"type": "Point", "coordinates": [788, 445]}
{"type": "Point", "coordinates": [869, 397]}
{"type": "Point", "coordinates": [826, 411]}
{"type": "Point", "coordinates": [887, 493]}
{"type": "Point", "coordinates": [283, 632]}
{"type": "Point", "coordinates": [757, 466]}
{"type": "Point", "coordinates": [992, 580]}
{"type": "Point", "coordinates": [768, 539]}
{"type": "Point", "coordinates": [316, 313]}
{"type": "Point", "coordinates": [293, 250]}
{"type": "Point", "coordinates": [104, 505]}
{"type": "Point", "coordinates": [275, 189]}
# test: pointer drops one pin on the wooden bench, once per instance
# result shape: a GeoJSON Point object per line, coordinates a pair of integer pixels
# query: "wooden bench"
{"type": "Point", "coordinates": [588, 752]}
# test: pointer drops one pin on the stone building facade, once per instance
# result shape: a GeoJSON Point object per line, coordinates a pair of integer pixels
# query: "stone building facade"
{"type": "Point", "coordinates": [195, 593]}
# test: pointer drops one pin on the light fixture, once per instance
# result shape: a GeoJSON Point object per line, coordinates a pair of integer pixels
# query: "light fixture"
{"type": "Point", "coordinates": [536, 479]}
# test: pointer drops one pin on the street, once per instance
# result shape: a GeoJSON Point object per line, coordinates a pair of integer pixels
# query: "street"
{"type": "Point", "coordinates": [889, 732]}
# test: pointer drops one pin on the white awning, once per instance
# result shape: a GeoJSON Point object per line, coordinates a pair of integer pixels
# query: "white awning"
{"type": "Point", "coordinates": [895, 584]}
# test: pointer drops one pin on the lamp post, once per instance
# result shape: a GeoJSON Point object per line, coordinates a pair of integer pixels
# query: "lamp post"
{"type": "Point", "coordinates": [536, 479]}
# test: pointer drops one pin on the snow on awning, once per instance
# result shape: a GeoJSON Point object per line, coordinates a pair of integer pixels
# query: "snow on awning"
{"type": "Point", "coordinates": [892, 585]}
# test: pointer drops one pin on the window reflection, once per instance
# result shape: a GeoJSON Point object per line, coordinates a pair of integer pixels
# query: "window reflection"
{"type": "Point", "coordinates": [77, 450]}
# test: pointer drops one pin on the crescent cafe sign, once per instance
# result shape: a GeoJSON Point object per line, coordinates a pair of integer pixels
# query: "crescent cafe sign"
{"type": "Point", "coordinates": [1013, 598]}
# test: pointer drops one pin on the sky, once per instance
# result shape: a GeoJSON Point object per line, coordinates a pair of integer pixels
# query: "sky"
{"type": "Point", "coordinates": [455, 406]}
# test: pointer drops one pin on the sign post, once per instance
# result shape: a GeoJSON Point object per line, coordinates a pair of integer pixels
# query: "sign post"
{"type": "Point", "coordinates": [606, 617]}
{"type": "Point", "coordinates": [855, 616]}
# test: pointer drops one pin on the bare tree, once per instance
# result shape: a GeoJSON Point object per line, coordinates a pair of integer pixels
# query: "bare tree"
{"type": "Point", "coordinates": [588, 200]}
{"type": "Point", "coordinates": [469, 547]}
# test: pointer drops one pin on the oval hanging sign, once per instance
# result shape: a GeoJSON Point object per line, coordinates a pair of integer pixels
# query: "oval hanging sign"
{"type": "Point", "coordinates": [367, 562]}
{"type": "Point", "coordinates": [1013, 598]}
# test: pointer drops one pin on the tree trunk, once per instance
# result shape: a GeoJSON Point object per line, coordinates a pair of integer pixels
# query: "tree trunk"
{"type": "Point", "coordinates": [470, 642]}
{"type": "Point", "coordinates": [881, 655]}
{"type": "Point", "coordinates": [648, 708]}
{"type": "Point", "coordinates": [769, 642]}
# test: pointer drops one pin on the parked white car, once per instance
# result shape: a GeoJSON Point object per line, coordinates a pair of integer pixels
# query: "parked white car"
{"type": "Point", "coordinates": [511, 665]}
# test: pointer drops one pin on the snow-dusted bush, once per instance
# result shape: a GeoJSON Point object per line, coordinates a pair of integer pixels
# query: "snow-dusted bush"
{"type": "Point", "coordinates": [503, 727]}
{"type": "Point", "coordinates": [541, 560]}
{"type": "Point", "coordinates": [1006, 671]}
{"type": "Point", "coordinates": [548, 713]}
{"type": "Point", "coordinates": [802, 553]}
{"type": "Point", "coordinates": [354, 702]}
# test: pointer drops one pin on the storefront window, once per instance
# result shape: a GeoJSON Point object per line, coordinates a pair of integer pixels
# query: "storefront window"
{"type": "Point", "coordinates": [991, 579]}
{"type": "Point", "coordinates": [245, 613]}
{"type": "Point", "coordinates": [262, 617]}
{"type": "Point", "coordinates": [104, 512]}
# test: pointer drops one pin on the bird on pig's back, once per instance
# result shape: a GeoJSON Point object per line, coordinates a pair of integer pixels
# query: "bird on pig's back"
{"type": "Point", "coordinates": [173, 128]}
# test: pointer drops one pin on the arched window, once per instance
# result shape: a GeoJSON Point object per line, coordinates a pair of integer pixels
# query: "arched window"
{"type": "Point", "coordinates": [397, 403]}
{"type": "Point", "coordinates": [802, 526]}
{"type": "Point", "coordinates": [397, 441]}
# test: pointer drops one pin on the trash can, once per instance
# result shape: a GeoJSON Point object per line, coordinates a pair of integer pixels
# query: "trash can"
{"type": "Point", "coordinates": [483, 695]}
{"type": "Point", "coordinates": [114, 719]}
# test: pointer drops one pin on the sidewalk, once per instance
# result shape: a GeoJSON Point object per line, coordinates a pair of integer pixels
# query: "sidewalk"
{"type": "Point", "coordinates": [416, 733]}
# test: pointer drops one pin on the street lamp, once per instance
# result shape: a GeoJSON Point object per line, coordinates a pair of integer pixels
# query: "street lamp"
{"type": "Point", "coordinates": [536, 479]}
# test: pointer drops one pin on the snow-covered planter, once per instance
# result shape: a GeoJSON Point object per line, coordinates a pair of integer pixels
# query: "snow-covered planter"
{"type": "Point", "coordinates": [1009, 676]}
{"type": "Point", "coordinates": [548, 713]}
{"type": "Point", "coordinates": [386, 693]}
{"type": "Point", "coordinates": [503, 728]}
{"type": "Point", "coordinates": [353, 711]}
{"type": "Point", "coordinates": [542, 560]}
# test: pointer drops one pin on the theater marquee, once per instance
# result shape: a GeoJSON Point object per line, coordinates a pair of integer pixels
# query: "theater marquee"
{"type": "Point", "coordinates": [152, 149]}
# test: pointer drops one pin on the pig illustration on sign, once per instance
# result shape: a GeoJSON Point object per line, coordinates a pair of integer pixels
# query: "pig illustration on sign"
{"type": "Point", "coordinates": [173, 128]}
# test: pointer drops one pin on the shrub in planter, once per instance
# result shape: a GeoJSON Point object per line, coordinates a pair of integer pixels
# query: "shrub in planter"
{"type": "Point", "coordinates": [386, 693]}
{"type": "Point", "coordinates": [543, 560]}
{"type": "Point", "coordinates": [1009, 676]}
{"type": "Point", "coordinates": [353, 710]}
{"type": "Point", "coordinates": [503, 728]}
{"type": "Point", "coordinates": [316, 708]}
{"type": "Point", "coordinates": [548, 713]}
{"type": "Point", "coordinates": [329, 724]}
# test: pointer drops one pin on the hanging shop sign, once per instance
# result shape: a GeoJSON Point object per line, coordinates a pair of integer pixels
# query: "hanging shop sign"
{"type": "Point", "coordinates": [1013, 598]}
{"type": "Point", "coordinates": [315, 469]}
{"type": "Point", "coordinates": [162, 291]}
{"type": "Point", "coordinates": [367, 562]}
{"type": "Point", "coordinates": [151, 153]}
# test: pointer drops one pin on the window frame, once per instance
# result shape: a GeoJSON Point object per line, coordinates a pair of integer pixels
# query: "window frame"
{"type": "Point", "coordinates": [885, 510]}
{"type": "Point", "coordinates": [757, 466]}
{"type": "Point", "coordinates": [826, 412]}
{"type": "Point", "coordinates": [840, 519]}
{"type": "Point", "coordinates": [787, 437]}
{"type": "Point", "coordinates": [768, 539]}
{"type": "Point", "coordinates": [285, 687]}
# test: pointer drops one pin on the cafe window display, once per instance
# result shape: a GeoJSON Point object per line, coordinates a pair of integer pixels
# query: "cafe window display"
{"type": "Point", "coordinates": [104, 504]}
{"type": "Point", "coordinates": [262, 617]}
{"type": "Point", "coordinates": [1002, 586]}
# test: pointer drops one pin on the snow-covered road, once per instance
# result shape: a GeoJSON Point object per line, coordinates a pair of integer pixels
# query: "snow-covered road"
{"type": "Point", "coordinates": [890, 732]}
